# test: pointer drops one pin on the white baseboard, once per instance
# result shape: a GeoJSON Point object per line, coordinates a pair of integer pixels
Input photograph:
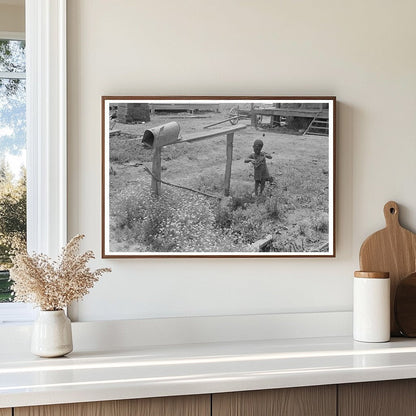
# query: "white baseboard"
{"type": "Point", "coordinates": [111, 335]}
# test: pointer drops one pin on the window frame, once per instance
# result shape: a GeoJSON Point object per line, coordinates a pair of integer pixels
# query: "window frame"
{"type": "Point", "coordinates": [46, 135]}
{"type": "Point", "coordinates": [46, 125]}
{"type": "Point", "coordinates": [14, 312]}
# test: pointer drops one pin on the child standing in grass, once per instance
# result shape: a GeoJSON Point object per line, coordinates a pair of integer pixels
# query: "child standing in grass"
{"type": "Point", "coordinates": [261, 173]}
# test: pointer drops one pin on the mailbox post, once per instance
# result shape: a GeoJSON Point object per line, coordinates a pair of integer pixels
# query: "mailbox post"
{"type": "Point", "coordinates": [168, 133]}
{"type": "Point", "coordinates": [156, 170]}
{"type": "Point", "coordinates": [157, 137]}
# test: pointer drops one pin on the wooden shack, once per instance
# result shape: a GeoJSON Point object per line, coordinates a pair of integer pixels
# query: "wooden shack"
{"type": "Point", "coordinates": [133, 112]}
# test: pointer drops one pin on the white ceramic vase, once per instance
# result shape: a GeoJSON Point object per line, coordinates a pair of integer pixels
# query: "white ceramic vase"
{"type": "Point", "coordinates": [52, 334]}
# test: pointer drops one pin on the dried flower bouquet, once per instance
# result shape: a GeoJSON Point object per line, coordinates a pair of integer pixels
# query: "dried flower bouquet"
{"type": "Point", "coordinates": [53, 285]}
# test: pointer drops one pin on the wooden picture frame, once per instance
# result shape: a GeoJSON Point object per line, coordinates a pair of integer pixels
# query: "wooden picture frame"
{"type": "Point", "coordinates": [218, 176]}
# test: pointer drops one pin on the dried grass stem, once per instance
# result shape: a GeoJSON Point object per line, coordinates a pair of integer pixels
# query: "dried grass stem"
{"type": "Point", "coordinates": [53, 285]}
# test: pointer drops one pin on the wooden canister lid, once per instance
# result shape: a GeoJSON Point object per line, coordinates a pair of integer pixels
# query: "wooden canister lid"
{"type": "Point", "coordinates": [372, 275]}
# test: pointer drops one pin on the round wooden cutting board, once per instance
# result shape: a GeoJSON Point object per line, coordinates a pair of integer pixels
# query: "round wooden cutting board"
{"type": "Point", "coordinates": [393, 250]}
{"type": "Point", "coordinates": [405, 305]}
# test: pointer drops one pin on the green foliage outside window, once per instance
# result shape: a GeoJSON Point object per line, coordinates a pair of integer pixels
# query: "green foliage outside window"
{"type": "Point", "coordinates": [12, 223]}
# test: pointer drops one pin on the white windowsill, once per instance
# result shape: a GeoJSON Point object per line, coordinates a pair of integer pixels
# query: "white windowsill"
{"type": "Point", "coordinates": [200, 368]}
{"type": "Point", "coordinates": [16, 313]}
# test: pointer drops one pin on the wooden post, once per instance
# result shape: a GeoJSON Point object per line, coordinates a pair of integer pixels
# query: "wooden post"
{"type": "Point", "coordinates": [276, 119]}
{"type": "Point", "coordinates": [229, 151]}
{"type": "Point", "coordinates": [253, 115]}
{"type": "Point", "coordinates": [156, 169]}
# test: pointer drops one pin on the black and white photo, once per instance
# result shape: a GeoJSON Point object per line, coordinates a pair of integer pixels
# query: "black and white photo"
{"type": "Point", "coordinates": [218, 176]}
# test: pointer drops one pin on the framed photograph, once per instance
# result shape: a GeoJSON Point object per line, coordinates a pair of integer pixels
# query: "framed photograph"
{"type": "Point", "coordinates": [218, 176]}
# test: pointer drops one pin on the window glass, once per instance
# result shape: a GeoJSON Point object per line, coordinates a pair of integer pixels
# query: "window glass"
{"type": "Point", "coordinates": [12, 56]}
{"type": "Point", "coordinates": [12, 156]}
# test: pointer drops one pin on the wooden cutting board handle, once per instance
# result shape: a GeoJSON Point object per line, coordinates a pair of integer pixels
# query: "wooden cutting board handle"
{"type": "Point", "coordinates": [393, 250]}
{"type": "Point", "coordinates": [391, 214]}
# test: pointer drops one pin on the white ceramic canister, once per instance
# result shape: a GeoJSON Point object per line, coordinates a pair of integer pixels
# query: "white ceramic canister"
{"type": "Point", "coordinates": [371, 310]}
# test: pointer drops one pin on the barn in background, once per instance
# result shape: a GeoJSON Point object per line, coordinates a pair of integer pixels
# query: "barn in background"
{"type": "Point", "coordinates": [133, 112]}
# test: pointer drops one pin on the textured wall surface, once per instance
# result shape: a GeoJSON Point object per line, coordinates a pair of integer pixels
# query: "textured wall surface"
{"type": "Point", "coordinates": [361, 52]}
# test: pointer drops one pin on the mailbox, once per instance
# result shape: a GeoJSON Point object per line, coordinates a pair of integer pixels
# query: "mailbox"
{"type": "Point", "coordinates": [162, 135]}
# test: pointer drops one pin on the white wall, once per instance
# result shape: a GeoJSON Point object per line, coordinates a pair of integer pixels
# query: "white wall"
{"type": "Point", "coordinates": [361, 51]}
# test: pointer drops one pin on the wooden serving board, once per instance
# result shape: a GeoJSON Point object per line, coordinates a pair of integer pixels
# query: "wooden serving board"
{"type": "Point", "coordinates": [393, 250]}
{"type": "Point", "coordinates": [405, 306]}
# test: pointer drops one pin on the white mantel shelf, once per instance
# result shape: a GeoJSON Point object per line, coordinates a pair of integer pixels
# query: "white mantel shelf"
{"type": "Point", "coordinates": [151, 371]}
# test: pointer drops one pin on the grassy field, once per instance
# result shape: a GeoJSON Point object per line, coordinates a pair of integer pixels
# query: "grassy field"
{"type": "Point", "coordinates": [293, 210]}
